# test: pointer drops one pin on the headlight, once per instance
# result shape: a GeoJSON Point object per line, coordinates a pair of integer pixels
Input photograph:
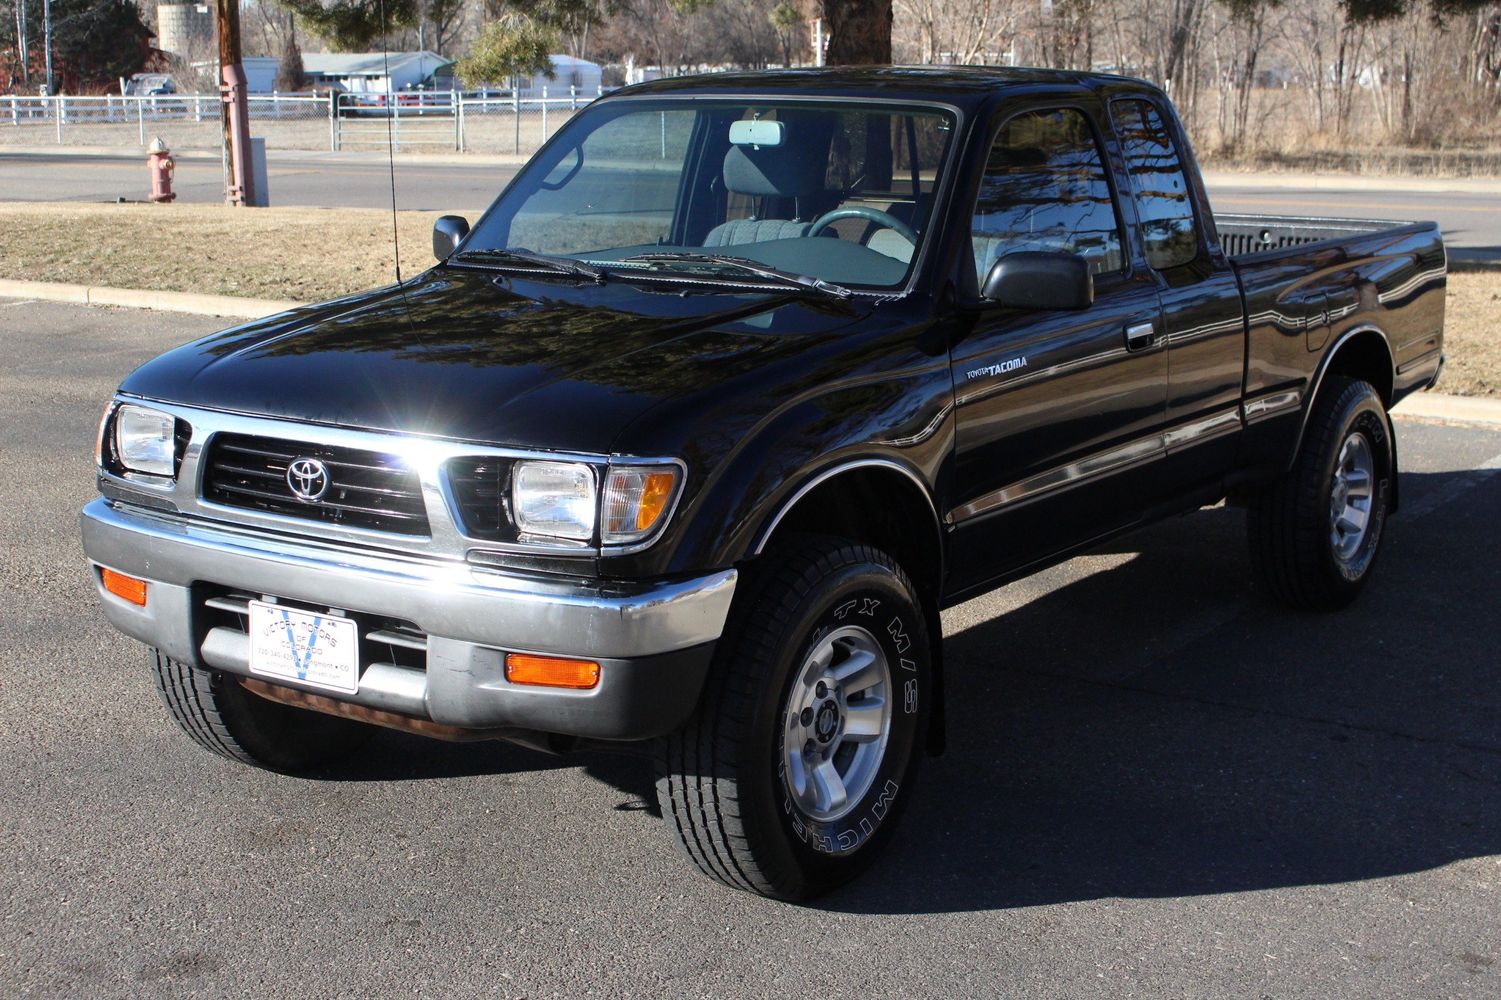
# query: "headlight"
{"type": "Point", "coordinates": [557, 499]}
{"type": "Point", "coordinates": [637, 498]}
{"type": "Point", "coordinates": [145, 440]}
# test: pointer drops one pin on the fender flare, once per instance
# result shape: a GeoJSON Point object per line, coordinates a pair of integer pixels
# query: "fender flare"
{"type": "Point", "coordinates": [817, 480]}
{"type": "Point", "coordinates": [1317, 382]}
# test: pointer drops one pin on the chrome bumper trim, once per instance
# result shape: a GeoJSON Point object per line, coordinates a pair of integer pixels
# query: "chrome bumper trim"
{"type": "Point", "coordinates": [444, 598]}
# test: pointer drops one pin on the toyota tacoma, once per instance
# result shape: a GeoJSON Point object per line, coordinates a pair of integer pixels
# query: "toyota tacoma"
{"type": "Point", "coordinates": [685, 444]}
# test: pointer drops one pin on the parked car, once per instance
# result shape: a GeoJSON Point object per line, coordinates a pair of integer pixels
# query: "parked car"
{"type": "Point", "coordinates": [739, 383]}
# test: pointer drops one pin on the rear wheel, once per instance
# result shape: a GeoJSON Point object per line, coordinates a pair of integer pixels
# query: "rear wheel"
{"type": "Point", "coordinates": [1316, 532]}
{"type": "Point", "coordinates": [788, 779]}
{"type": "Point", "coordinates": [222, 716]}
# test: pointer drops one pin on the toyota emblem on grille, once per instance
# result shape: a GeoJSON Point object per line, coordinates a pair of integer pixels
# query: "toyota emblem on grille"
{"type": "Point", "coordinates": [308, 479]}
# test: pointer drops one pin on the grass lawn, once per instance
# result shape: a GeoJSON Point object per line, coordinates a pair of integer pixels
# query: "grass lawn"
{"type": "Point", "coordinates": [318, 253]}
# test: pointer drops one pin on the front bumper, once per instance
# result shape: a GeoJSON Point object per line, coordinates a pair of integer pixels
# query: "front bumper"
{"type": "Point", "coordinates": [653, 641]}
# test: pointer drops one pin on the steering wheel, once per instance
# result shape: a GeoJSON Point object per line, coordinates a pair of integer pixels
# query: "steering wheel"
{"type": "Point", "coordinates": [875, 215]}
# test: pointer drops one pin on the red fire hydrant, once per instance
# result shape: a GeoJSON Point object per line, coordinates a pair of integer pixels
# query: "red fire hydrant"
{"type": "Point", "coordinates": [159, 162]}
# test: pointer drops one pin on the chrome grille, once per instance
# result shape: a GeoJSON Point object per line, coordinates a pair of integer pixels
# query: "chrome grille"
{"type": "Point", "coordinates": [481, 489]}
{"type": "Point", "coordinates": [366, 489]}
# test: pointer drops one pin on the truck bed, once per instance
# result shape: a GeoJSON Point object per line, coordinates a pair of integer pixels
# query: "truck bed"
{"type": "Point", "coordinates": [1248, 235]}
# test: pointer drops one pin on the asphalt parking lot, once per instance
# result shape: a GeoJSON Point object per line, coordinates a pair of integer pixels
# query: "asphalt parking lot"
{"type": "Point", "coordinates": [1157, 785]}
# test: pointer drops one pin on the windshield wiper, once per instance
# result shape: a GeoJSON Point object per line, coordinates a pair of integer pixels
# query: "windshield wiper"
{"type": "Point", "coordinates": [805, 281]}
{"type": "Point", "coordinates": [562, 265]}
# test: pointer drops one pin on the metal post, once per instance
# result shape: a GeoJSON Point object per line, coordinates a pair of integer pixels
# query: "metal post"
{"type": "Point", "coordinates": [544, 112]}
{"type": "Point", "coordinates": [141, 119]}
{"type": "Point", "coordinates": [395, 112]}
{"type": "Point", "coordinates": [57, 113]}
{"type": "Point", "coordinates": [573, 97]}
{"type": "Point", "coordinates": [235, 116]}
{"type": "Point", "coordinates": [455, 104]}
{"type": "Point", "coordinates": [516, 108]}
{"type": "Point", "coordinates": [47, 41]}
{"type": "Point", "coordinates": [333, 122]}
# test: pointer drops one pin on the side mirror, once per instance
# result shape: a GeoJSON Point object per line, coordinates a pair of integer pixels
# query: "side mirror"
{"type": "Point", "coordinates": [447, 232]}
{"type": "Point", "coordinates": [1032, 279]}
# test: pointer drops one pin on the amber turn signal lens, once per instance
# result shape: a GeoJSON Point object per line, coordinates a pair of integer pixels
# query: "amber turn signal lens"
{"type": "Point", "coordinates": [551, 671]}
{"type": "Point", "coordinates": [655, 493]}
{"type": "Point", "coordinates": [127, 588]}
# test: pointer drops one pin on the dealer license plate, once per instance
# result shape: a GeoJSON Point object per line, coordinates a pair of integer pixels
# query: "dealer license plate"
{"type": "Point", "coordinates": [320, 650]}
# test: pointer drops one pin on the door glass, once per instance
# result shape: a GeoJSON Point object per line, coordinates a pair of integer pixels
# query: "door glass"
{"type": "Point", "coordinates": [1045, 189]}
{"type": "Point", "coordinates": [1161, 190]}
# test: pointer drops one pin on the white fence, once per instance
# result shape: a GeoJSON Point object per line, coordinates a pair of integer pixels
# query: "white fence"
{"type": "Point", "coordinates": [451, 120]}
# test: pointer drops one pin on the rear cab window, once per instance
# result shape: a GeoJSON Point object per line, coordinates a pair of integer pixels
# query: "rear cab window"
{"type": "Point", "coordinates": [1164, 207]}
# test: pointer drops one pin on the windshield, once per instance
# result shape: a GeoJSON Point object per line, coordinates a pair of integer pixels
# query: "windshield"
{"type": "Point", "coordinates": [838, 192]}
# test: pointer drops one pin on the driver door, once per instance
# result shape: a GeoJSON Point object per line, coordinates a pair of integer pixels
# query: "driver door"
{"type": "Point", "coordinates": [1058, 413]}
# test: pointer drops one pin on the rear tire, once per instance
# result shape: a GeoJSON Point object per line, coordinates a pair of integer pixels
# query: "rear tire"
{"type": "Point", "coordinates": [222, 716]}
{"type": "Point", "coordinates": [1316, 532]}
{"type": "Point", "coordinates": [789, 778]}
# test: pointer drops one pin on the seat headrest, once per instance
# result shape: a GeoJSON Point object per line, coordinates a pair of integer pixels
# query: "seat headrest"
{"type": "Point", "coordinates": [777, 171]}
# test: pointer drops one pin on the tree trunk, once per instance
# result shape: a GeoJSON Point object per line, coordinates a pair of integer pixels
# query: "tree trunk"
{"type": "Point", "coordinates": [859, 32]}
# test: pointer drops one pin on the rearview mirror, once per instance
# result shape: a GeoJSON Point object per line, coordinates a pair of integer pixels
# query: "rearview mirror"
{"type": "Point", "coordinates": [448, 231]}
{"type": "Point", "coordinates": [1034, 279]}
{"type": "Point", "coordinates": [757, 133]}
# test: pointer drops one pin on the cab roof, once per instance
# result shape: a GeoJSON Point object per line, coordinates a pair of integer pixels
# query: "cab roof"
{"type": "Point", "coordinates": [952, 84]}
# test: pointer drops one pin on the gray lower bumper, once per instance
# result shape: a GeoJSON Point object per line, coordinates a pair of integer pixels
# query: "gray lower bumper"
{"type": "Point", "coordinates": [653, 641]}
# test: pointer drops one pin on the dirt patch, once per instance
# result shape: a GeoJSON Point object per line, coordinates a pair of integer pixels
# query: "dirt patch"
{"type": "Point", "coordinates": [319, 253]}
{"type": "Point", "coordinates": [274, 253]}
{"type": "Point", "coordinates": [1472, 335]}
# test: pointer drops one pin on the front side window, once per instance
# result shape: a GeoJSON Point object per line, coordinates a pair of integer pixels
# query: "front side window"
{"type": "Point", "coordinates": [1045, 189]}
{"type": "Point", "coordinates": [1159, 184]}
{"type": "Point", "coordinates": [840, 191]}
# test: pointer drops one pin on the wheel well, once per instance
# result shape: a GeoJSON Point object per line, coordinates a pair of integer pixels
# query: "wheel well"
{"type": "Point", "coordinates": [883, 508]}
{"type": "Point", "coordinates": [879, 507]}
{"type": "Point", "coordinates": [1365, 356]}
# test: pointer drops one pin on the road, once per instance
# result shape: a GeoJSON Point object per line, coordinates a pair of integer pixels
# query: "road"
{"type": "Point", "coordinates": [1471, 218]}
{"type": "Point", "coordinates": [1157, 785]}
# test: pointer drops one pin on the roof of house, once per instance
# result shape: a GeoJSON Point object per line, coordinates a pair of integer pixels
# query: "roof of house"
{"type": "Point", "coordinates": [367, 63]}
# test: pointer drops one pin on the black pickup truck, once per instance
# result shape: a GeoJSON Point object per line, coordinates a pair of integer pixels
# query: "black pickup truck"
{"type": "Point", "coordinates": [744, 378]}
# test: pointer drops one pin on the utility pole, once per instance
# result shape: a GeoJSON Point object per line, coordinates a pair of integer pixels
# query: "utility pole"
{"type": "Point", "coordinates": [235, 110]}
{"type": "Point", "coordinates": [21, 43]}
{"type": "Point", "coordinates": [47, 42]}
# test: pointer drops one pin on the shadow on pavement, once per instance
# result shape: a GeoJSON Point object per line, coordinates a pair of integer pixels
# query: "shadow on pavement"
{"type": "Point", "coordinates": [1157, 730]}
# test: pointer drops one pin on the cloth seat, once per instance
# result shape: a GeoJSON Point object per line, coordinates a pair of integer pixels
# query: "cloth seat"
{"type": "Point", "coordinates": [767, 172]}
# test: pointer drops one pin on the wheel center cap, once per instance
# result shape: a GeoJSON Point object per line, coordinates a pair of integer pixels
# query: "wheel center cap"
{"type": "Point", "coordinates": [826, 723]}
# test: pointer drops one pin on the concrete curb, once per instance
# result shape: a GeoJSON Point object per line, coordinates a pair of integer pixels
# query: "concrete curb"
{"type": "Point", "coordinates": [230, 306]}
{"type": "Point", "coordinates": [1450, 409]}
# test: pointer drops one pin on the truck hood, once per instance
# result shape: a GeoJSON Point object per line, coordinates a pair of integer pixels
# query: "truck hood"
{"type": "Point", "coordinates": [484, 357]}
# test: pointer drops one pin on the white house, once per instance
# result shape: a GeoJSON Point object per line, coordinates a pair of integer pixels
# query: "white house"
{"type": "Point", "coordinates": [260, 72]}
{"type": "Point", "coordinates": [372, 72]}
{"type": "Point", "coordinates": [566, 72]}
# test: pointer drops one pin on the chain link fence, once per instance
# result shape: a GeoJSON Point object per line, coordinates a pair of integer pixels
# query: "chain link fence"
{"type": "Point", "coordinates": [433, 121]}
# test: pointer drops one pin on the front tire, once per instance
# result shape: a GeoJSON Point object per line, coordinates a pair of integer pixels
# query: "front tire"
{"type": "Point", "coordinates": [1316, 532]}
{"type": "Point", "coordinates": [789, 778]}
{"type": "Point", "coordinates": [223, 717]}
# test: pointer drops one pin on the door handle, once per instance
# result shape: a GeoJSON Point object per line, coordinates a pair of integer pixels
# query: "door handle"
{"type": "Point", "coordinates": [1140, 336]}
